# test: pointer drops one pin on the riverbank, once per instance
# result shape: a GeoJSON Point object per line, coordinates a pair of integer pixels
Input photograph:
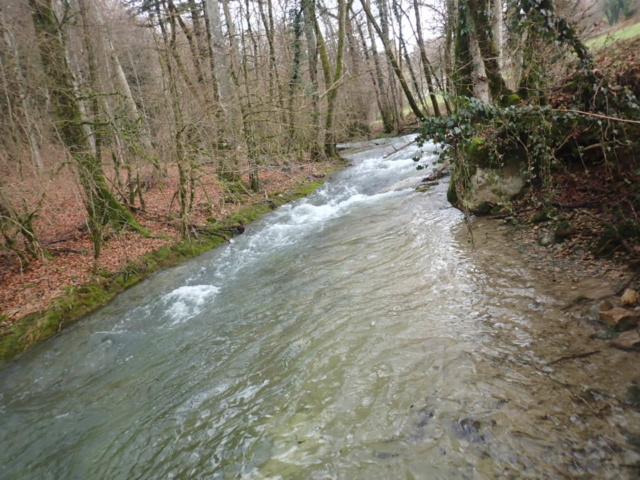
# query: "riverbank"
{"type": "Point", "coordinates": [580, 251]}
{"type": "Point", "coordinates": [355, 331]}
{"type": "Point", "coordinates": [39, 301]}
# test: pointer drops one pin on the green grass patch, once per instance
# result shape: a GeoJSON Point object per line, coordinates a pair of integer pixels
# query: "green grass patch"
{"type": "Point", "coordinates": [624, 33]}
{"type": "Point", "coordinates": [77, 302]}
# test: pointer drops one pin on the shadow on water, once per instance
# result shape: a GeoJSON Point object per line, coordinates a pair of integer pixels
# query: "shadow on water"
{"type": "Point", "coordinates": [353, 334]}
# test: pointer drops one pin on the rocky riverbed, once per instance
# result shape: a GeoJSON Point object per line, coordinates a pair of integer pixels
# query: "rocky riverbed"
{"type": "Point", "coordinates": [601, 292]}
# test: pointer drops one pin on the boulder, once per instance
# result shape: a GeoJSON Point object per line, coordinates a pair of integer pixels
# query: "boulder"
{"type": "Point", "coordinates": [490, 187]}
{"type": "Point", "coordinates": [488, 182]}
{"type": "Point", "coordinates": [629, 297]}
{"type": "Point", "coordinates": [629, 341]}
{"type": "Point", "coordinates": [620, 318]}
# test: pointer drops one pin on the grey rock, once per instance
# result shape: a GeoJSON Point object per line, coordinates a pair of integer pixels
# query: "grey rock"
{"type": "Point", "coordinates": [495, 186]}
{"type": "Point", "coordinates": [546, 240]}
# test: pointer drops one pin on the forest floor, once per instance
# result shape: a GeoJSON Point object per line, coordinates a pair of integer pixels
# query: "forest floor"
{"type": "Point", "coordinates": [62, 229]}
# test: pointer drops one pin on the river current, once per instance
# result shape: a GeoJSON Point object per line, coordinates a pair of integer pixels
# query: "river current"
{"type": "Point", "coordinates": [358, 333]}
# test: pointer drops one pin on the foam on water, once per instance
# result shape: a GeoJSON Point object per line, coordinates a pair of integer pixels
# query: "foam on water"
{"type": "Point", "coordinates": [187, 301]}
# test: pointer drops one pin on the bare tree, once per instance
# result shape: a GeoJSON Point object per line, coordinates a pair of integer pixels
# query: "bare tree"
{"type": "Point", "coordinates": [102, 206]}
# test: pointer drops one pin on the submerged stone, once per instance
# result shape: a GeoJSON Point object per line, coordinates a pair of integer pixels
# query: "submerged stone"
{"type": "Point", "coordinates": [628, 341]}
{"type": "Point", "coordinates": [469, 430]}
{"type": "Point", "coordinates": [620, 318]}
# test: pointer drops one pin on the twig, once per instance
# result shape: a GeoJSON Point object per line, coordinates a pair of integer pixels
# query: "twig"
{"type": "Point", "coordinates": [397, 150]}
{"type": "Point", "coordinates": [629, 282]}
{"type": "Point", "coordinates": [575, 395]}
{"type": "Point", "coordinates": [596, 115]}
{"type": "Point", "coordinates": [571, 357]}
{"type": "Point", "coordinates": [575, 205]}
{"type": "Point", "coordinates": [517, 212]}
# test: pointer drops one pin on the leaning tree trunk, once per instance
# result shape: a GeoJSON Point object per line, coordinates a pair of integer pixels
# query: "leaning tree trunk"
{"type": "Point", "coordinates": [310, 36]}
{"type": "Point", "coordinates": [386, 109]}
{"type": "Point", "coordinates": [394, 63]}
{"type": "Point", "coordinates": [102, 206]}
{"type": "Point", "coordinates": [332, 78]}
{"type": "Point", "coordinates": [426, 65]}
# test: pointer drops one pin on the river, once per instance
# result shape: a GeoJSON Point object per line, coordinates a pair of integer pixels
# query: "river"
{"type": "Point", "coordinates": [355, 334]}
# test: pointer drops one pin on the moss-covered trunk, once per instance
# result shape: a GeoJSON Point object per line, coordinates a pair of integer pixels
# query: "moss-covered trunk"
{"type": "Point", "coordinates": [102, 206]}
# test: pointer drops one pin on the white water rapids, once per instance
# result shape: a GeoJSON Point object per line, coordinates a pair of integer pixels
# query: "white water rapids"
{"type": "Point", "coordinates": [354, 334]}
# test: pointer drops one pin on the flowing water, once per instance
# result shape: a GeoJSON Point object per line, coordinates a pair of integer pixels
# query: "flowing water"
{"type": "Point", "coordinates": [356, 333]}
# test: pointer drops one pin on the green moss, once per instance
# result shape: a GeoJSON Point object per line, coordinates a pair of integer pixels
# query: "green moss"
{"type": "Point", "coordinates": [513, 99]}
{"type": "Point", "coordinates": [79, 301]}
{"type": "Point", "coordinates": [477, 153]}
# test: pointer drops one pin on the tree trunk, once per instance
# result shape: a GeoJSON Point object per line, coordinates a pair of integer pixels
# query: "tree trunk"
{"type": "Point", "coordinates": [361, 102]}
{"type": "Point", "coordinates": [386, 109]}
{"type": "Point", "coordinates": [497, 24]}
{"type": "Point", "coordinates": [218, 47]}
{"type": "Point", "coordinates": [332, 78]}
{"type": "Point", "coordinates": [274, 75]}
{"type": "Point", "coordinates": [93, 93]}
{"type": "Point", "coordinates": [463, 67]}
{"type": "Point", "coordinates": [312, 49]}
{"type": "Point", "coordinates": [182, 162]}
{"type": "Point", "coordinates": [479, 79]}
{"type": "Point", "coordinates": [102, 206]}
{"type": "Point", "coordinates": [231, 115]}
{"type": "Point", "coordinates": [374, 79]}
{"type": "Point", "coordinates": [394, 63]}
{"type": "Point", "coordinates": [193, 47]}
{"type": "Point", "coordinates": [426, 65]}
{"type": "Point", "coordinates": [23, 100]}
{"type": "Point", "coordinates": [404, 53]}
{"type": "Point", "coordinates": [479, 11]}
{"type": "Point", "coordinates": [296, 70]}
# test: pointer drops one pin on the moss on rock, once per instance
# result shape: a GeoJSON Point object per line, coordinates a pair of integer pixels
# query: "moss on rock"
{"type": "Point", "coordinates": [477, 154]}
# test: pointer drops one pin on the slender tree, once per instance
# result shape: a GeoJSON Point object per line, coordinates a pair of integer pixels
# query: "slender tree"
{"type": "Point", "coordinates": [102, 206]}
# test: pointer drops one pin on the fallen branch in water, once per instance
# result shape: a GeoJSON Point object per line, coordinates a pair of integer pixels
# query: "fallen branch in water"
{"type": "Point", "coordinates": [397, 150]}
{"type": "Point", "coordinates": [574, 356]}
